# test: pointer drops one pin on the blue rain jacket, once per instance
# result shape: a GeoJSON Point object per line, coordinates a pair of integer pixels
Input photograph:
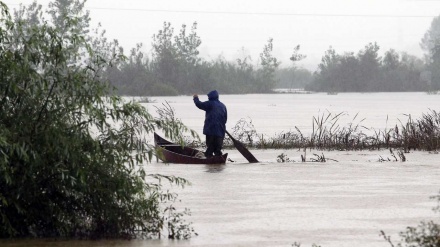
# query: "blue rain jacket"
{"type": "Point", "coordinates": [216, 115]}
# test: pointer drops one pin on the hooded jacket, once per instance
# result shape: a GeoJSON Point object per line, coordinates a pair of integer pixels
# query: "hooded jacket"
{"type": "Point", "coordinates": [216, 114]}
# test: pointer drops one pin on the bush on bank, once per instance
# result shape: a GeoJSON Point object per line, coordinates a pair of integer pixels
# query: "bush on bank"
{"type": "Point", "coordinates": [71, 153]}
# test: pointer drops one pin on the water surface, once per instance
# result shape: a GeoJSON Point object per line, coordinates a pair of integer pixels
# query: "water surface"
{"type": "Point", "coordinates": [338, 203]}
{"type": "Point", "coordinates": [274, 113]}
{"type": "Point", "coordinates": [344, 203]}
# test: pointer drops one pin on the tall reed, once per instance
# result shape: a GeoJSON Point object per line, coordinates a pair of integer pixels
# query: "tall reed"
{"type": "Point", "coordinates": [327, 133]}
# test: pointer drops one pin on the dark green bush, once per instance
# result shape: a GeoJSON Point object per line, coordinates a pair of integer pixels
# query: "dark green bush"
{"type": "Point", "coordinates": [71, 153]}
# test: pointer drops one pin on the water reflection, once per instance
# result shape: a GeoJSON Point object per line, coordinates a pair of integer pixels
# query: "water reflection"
{"type": "Point", "coordinates": [215, 168]}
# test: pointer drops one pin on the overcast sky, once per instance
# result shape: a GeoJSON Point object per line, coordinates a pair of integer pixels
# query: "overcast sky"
{"type": "Point", "coordinates": [227, 26]}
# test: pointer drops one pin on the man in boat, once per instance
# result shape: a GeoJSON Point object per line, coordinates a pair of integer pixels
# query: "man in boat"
{"type": "Point", "coordinates": [215, 122]}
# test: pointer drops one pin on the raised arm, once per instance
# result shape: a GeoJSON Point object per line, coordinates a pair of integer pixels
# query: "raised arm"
{"type": "Point", "coordinates": [201, 105]}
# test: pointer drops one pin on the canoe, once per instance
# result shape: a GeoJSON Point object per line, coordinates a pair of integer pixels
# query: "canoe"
{"type": "Point", "coordinates": [174, 153]}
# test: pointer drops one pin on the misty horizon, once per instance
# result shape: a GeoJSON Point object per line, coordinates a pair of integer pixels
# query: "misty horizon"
{"type": "Point", "coordinates": [229, 29]}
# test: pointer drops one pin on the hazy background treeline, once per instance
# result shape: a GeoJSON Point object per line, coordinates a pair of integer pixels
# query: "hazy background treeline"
{"type": "Point", "coordinates": [366, 71]}
{"type": "Point", "coordinates": [174, 67]}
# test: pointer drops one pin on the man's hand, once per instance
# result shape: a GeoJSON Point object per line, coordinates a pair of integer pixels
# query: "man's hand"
{"type": "Point", "coordinates": [195, 96]}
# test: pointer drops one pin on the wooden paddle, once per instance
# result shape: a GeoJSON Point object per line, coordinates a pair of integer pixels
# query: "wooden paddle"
{"type": "Point", "coordinates": [242, 149]}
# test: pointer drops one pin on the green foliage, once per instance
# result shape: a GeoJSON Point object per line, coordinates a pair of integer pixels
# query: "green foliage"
{"type": "Point", "coordinates": [71, 152]}
{"type": "Point", "coordinates": [430, 38]}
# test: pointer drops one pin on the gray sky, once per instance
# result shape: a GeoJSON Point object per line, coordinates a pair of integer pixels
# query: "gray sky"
{"type": "Point", "coordinates": [226, 26]}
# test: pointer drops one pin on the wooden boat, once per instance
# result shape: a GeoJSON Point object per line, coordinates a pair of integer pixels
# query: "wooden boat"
{"type": "Point", "coordinates": [174, 153]}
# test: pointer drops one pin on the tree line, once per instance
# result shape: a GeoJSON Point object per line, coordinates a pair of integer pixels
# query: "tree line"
{"type": "Point", "coordinates": [175, 67]}
{"type": "Point", "coordinates": [366, 71]}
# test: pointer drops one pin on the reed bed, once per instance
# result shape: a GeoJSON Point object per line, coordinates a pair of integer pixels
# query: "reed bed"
{"type": "Point", "coordinates": [328, 134]}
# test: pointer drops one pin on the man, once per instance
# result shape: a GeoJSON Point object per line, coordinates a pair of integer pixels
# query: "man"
{"type": "Point", "coordinates": [215, 122]}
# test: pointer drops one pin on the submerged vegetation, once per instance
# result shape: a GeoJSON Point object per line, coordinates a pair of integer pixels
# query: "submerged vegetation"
{"type": "Point", "coordinates": [328, 134]}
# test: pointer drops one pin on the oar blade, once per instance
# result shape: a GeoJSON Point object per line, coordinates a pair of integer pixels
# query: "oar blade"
{"type": "Point", "coordinates": [243, 150]}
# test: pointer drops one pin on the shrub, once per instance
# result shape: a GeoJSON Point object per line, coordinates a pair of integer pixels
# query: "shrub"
{"type": "Point", "coordinates": [71, 153]}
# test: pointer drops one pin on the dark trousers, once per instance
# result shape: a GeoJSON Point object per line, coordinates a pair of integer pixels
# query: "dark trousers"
{"type": "Point", "coordinates": [214, 145]}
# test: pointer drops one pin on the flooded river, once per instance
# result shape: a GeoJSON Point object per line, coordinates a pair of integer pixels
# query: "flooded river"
{"type": "Point", "coordinates": [345, 201]}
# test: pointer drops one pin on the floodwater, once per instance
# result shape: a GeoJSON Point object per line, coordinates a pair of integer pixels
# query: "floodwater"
{"type": "Point", "coordinates": [275, 113]}
{"type": "Point", "coordinates": [345, 201]}
{"type": "Point", "coordinates": [337, 203]}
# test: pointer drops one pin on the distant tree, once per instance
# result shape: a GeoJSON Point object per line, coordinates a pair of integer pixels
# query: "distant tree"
{"type": "Point", "coordinates": [346, 76]}
{"type": "Point", "coordinates": [295, 57]}
{"type": "Point", "coordinates": [187, 55]}
{"type": "Point", "coordinates": [245, 72]}
{"type": "Point", "coordinates": [165, 59]}
{"type": "Point", "coordinates": [268, 66]}
{"type": "Point", "coordinates": [324, 78]}
{"type": "Point", "coordinates": [430, 44]}
{"type": "Point", "coordinates": [430, 38]}
{"type": "Point", "coordinates": [369, 62]}
{"type": "Point", "coordinates": [329, 60]}
{"type": "Point", "coordinates": [187, 45]}
{"type": "Point", "coordinates": [175, 68]}
{"type": "Point", "coordinates": [175, 58]}
{"type": "Point", "coordinates": [134, 76]}
{"type": "Point", "coordinates": [367, 71]}
{"type": "Point", "coordinates": [435, 65]}
{"type": "Point", "coordinates": [244, 61]}
{"type": "Point", "coordinates": [401, 72]}
{"type": "Point", "coordinates": [390, 60]}
{"type": "Point", "coordinates": [391, 72]}
{"type": "Point", "coordinates": [228, 77]}
{"type": "Point", "coordinates": [413, 67]}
